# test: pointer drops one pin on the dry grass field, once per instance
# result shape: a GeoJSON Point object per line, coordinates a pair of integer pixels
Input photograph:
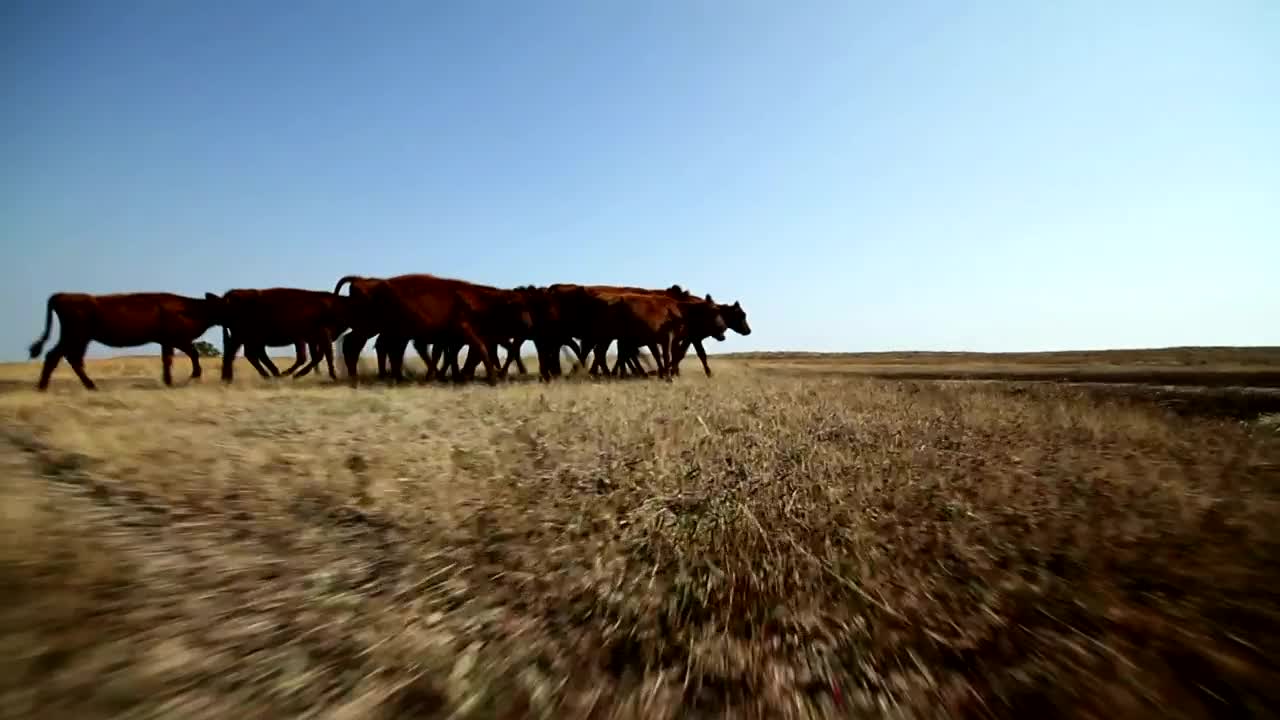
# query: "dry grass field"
{"type": "Point", "coordinates": [1194, 366]}
{"type": "Point", "coordinates": [764, 543]}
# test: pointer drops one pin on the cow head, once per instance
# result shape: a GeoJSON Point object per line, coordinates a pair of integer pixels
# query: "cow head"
{"type": "Point", "coordinates": [216, 309]}
{"type": "Point", "coordinates": [513, 313]}
{"type": "Point", "coordinates": [541, 304]}
{"type": "Point", "coordinates": [705, 316]}
{"type": "Point", "coordinates": [735, 317]}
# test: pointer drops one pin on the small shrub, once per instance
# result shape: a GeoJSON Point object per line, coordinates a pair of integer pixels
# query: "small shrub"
{"type": "Point", "coordinates": [206, 349]}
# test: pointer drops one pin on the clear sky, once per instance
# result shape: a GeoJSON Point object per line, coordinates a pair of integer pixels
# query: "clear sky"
{"type": "Point", "coordinates": [1013, 175]}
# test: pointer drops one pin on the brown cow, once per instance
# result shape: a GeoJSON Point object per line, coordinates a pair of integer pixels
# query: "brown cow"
{"type": "Point", "coordinates": [633, 319]}
{"type": "Point", "coordinates": [577, 317]}
{"type": "Point", "coordinates": [497, 315]}
{"type": "Point", "coordinates": [638, 320]}
{"type": "Point", "coordinates": [699, 318]}
{"type": "Point", "coordinates": [548, 332]}
{"type": "Point", "coordinates": [280, 316]}
{"type": "Point", "coordinates": [124, 320]}
{"type": "Point", "coordinates": [430, 309]}
{"type": "Point", "coordinates": [734, 317]}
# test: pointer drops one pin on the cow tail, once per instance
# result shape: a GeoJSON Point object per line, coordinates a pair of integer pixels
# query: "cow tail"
{"type": "Point", "coordinates": [337, 289]}
{"type": "Point", "coordinates": [38, 345]}
{"type": "Point", "coordinates": [341, 359]}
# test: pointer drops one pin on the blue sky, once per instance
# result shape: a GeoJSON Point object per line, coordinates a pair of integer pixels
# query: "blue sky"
{"type": "Point", "coordinates": [861, 176]}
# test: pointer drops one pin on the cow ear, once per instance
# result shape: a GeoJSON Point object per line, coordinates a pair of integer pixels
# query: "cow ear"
{"type": "Point", "coordinates": [736, 306]}
{"type": "Point", "coordinates": [211, 296]}
{"type": "Point", "coordinates": [709, 298]}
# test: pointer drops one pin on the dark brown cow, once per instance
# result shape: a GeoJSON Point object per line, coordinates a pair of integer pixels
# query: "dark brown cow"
{"type": "Point", "coordinates": [124, 320]}
{"type": "Point", "coordinates": [432, 310]}
{"type": "Point", "coordinates": [633, 319]}
{"type": "Point", "coordinates": [699, 324]}
{"type": "Point", "coordinates": [734, 317]}
{"type": "Point", "coordinates": [280, 316]}
{"type": "Point", "coordinates": [698, 318]}
{"type": "Point", "coordinates": [637, 320]}
{"type": "Point", "coordinates": [589, 329]}
{"type": "Point", "coordinates": [548, 332]}
{"type": "Point", "coordinates": [507, 331]}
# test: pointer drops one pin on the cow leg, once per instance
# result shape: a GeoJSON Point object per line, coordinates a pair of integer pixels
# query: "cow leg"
{"type": "Point", "coordinates": [578, 352]}
{"type": "Point", "coordinates": [678, 351]}
{"type": "Point", "coordinates": [653, 350]}
{"type": "Point", "coordinates": [74, 353]}
{"type": "Point", "coordinates": [476, 345]}
{"type": "Point", "coordinates": [637, 367]}
{"type": "Point", "coordinates": [380, 348]}
{"type": "Point", "coordinates": [396, 347]}
{"type": "Point", "coordinates": [265, 360]}
{"type": "Point", "coordinates": [299, 349]}
{"type": "Point", "coordinates": [388, 347]}
{"type": "Point", "coordinates": [230, 346]}
{"type": "Point", "coordinates": [385, 347]}
{"type": "Point", "coordinates": [664, 365]}
{"type": "Point", "coordinates": [317, 351]}
{"type": "Point", "coordinates": [620, 360]}
{"type": "Point", "coordinates": [327, 350]}
{"type": "Point", "coordinates": [189, 349]}
{"type": "Point", "coordinates": [352, 343]}
{"type": "Point", "coordinates": [473, 359]}
{"type": "Point", "coordinates": [395, 367]}
{"type": "Point", "coordinates": [702, 355]}
{"type": "Point", "coordinates": [450, 361]}
{"type": "Point", "coordinates": [493, 353]}
{"type": "Point", "coordinates": [257, 357]}
{"type": "Point", "coordinates": [548, 354]}
{"type": "Point", "coordinates": [439, 368]}
{"type": "Point", "coordinates": [313, 363]}
{"type": "Point", "coordinates": [656, 349]}
{"type": "Point", "coordinates": [51, 360]}
{"type": "Point", "coordinates": [629, 361]}
{"type": "Point", "coordinates": [424, 351]}
{"type": "Point", "coordinates": [513, 353]}
{"type": "Point", "coordinates": [453, 362]}
{"type": "Point", "coordinates": [601, 362]}
{"type": "Point", "coordinates": [166, 364]}
{"type": "Point", "coordinates": [512, 348]}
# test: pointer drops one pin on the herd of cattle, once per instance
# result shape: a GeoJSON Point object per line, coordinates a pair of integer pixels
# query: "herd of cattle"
{"type": "Point", "coordinates": [440, 316]}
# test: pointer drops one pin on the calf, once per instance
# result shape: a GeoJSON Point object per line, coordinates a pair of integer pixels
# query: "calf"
{"type": "Point", "coordinates": [124, 320]}
{"type": "Point", "coordinates": [280, 316]}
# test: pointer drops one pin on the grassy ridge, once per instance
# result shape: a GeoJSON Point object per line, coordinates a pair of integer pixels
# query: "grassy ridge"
{"type": "Point", "coordinates": [757, 544]}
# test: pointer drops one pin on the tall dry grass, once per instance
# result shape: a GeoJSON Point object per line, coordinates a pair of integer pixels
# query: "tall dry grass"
{"type": "Point", "coordinates": [750, 546]}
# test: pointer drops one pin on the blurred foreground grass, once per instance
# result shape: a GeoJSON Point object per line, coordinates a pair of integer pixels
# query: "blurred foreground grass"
{"type": "Point", "coordinates": [761, 546]}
